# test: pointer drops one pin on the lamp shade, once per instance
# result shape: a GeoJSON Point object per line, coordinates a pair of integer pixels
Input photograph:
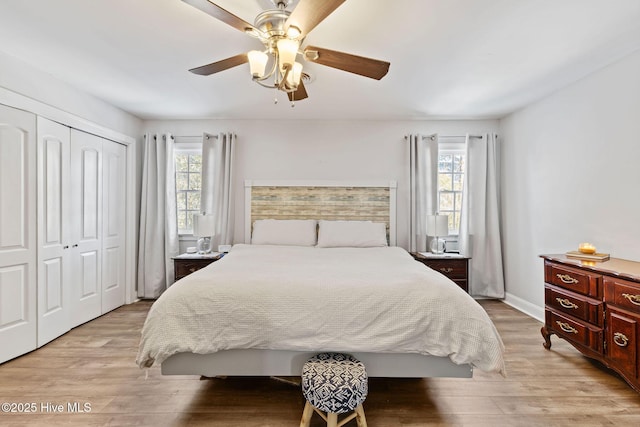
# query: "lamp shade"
{"type": "Point", "coordinates": [437, 225]}
{"type": "Point", "coordinates": [257, 63]}
{"type": "Point", "coordinates": [203, 226]}
{"type": "Point", "coordinates": [293, 78]}
{"type": "Point", "coordinates": [287, 51]}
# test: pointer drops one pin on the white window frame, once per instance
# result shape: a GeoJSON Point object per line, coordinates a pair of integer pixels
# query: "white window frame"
{"type": "Point", "coordinates": [184, 148]}
{"type": "Point", "coordinates": [453, 148]}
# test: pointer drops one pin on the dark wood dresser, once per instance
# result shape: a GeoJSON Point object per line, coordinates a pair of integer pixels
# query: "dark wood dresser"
{"type": "Point", "coordinates": [454, 266]}
{"type": "Point", "coordinates": [595, 306]}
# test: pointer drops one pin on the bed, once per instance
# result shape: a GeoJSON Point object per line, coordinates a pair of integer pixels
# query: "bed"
{"type": "Point", "coordinates": [265, 308]}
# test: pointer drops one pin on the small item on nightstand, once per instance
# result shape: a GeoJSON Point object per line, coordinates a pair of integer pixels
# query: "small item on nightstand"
{"type": "Point", "coordinates": [191, 250]}
{"type": "Point", "coordinates": [204, 227]}
{"type": "Point", "coordinates": [437, 227]}
{"type": "Point", "coordinates": [586, 248]}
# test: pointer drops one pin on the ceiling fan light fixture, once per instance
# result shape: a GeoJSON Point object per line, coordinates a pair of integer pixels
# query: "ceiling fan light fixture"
{"type": "Point", "coordinates": [293, 78]}
{"type": "Point", "coordinates": [282, 32]}
{"type": "Point", "coordinates": [257, 63]}
{"type": "Point", "coordinates": [287, 52]}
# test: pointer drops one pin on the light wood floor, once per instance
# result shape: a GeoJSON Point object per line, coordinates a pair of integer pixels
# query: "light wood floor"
{"type": "Point", "coordinates": [94, 364]}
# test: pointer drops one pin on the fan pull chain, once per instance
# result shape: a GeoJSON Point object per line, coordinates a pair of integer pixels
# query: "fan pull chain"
{"type": "Point", "coordinates": [275, 98]}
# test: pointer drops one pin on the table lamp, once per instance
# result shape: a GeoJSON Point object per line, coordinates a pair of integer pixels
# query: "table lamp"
{"type": "Point", "coordinates": [203, 227]}
{"type": "Point", "coordinates": [437, 226]}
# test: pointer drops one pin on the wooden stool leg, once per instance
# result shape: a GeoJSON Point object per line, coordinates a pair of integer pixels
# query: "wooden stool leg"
{"type": "Point", "coordinates": [332, 419]}
{"type": "Point", "coordinates": [360, 418]}
{"type": "Point", "coordinates": [306, 415]}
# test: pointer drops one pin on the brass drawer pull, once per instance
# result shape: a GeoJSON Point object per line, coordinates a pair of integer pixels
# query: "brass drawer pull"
{"type": "Point", "coordinates": [446, 270]}
{"type": "Point", "coordinates": [620, 339]}
{"type": "Point", "coordinates": [633, 299]}
{"type": "Point", "coordinates": [567, 327]}
{"type": "Point", "coordinates": [566, 303]}
{"type": "Point", "coordinates": [565, 278]}
{"type": "Point", "coordinates": [192, 269]}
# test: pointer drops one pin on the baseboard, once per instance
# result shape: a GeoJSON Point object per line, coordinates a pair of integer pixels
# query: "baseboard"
{"type": "Point", "coordinates": [524, 306]}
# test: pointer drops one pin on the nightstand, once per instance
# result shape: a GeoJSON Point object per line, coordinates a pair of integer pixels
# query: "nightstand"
{"type": "Point", "coordinates": [454, 266]}
{"type": "Point", "coordinates": [186, 264]}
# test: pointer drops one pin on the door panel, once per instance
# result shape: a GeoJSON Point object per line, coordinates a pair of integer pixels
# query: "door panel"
{"type": "Point", "coordinates": [113, 235]}
{"type": "Point", "coordinates": [53, 291]}
{"type": "Point", "coordinates": [17, 232]}
{"type": "Point", "coordinates": [14, 285]}
{"type": "Point", "coordinates": [90, 201]}
{"type": "Point", "coordinates": [54, 248]}
{"type": "Point", "coordinates": [90, 285]}
{"type": "Point", "coordinates": [86, 205]}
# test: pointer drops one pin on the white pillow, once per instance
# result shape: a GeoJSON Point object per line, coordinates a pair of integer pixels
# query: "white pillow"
{"type": "Point", "coordinates": [292, 232]}
{"type": "Point", "coordinates": [356, 234]}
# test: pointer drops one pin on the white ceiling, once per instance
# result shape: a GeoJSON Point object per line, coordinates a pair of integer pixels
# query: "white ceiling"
{"type": "Point", "coordinates": [449, 58]}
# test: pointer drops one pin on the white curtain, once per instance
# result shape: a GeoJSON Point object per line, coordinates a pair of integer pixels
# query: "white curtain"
{"type": "Point", "coordinates": [480, 218]}
{"type": "Point", "coordinates": [158, 239]}
{"type": "Point", "coordinates": [423, 167]}
{"type": "Point", "coordinates": [217, 185]}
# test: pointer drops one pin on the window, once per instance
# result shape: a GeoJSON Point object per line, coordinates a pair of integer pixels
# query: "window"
{"type": "Point", "coordinates": [451, 168]}
{"type": "Point", "coordinates": [188, 164]}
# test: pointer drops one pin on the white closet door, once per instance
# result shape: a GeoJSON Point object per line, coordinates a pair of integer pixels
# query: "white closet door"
{"type": "Point", "coordinates": [18, 315]}
{"type": "Point", "coordinates": [86, 220]}
{"type": "Point", "coordinates": [54, 246]}
{"type": "Point", "coordinates": [114, 163]}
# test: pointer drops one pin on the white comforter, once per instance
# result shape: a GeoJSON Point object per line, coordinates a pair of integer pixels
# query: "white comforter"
{"type": "Point", "coordinates": [316, 299]}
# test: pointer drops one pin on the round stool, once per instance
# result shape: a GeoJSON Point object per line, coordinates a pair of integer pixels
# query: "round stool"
{"type": "Point", "coordinates": [332, 384]}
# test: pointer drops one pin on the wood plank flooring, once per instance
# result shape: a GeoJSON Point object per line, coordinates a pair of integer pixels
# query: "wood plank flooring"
{"type": "Point", "coordinates": [94, 364]}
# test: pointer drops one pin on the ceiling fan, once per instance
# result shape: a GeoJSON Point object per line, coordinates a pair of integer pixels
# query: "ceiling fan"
{"type": "Point", "coordinates": [282, 33]}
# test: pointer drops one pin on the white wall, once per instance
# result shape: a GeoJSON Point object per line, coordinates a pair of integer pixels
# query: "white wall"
{"type": "Point", "coordinates": [570, 173]}
{"type": "Point", "coordinates": [322, 150]}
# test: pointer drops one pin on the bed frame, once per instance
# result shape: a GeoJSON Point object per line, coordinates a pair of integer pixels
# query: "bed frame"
{"type": "Point", "coordinates": [330, 200]}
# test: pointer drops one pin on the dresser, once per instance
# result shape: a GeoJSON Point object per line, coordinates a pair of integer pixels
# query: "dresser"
{"type": "Point", "coordinates": [186, 264]}
{"type": "Point", "coordinates": [454, 266]}
{"type": "Point", "coordinates": [595, 306]}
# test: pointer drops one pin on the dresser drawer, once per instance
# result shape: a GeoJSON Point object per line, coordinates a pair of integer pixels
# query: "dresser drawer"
{"type": "Point", "coordinates": [184, 267]}
{"type": "Point", "coordinates": [622, 293]}
{"type": "Point", "coordinates": [452, 268]}
{"type": "Point", "coordinates": [580, 306]}
{"type": "Point", "coordinates": [575, 330]}
{"type": "Point", "coordinates": [573, 279]}
{"type": "Point", "coordinates": [622, 343]}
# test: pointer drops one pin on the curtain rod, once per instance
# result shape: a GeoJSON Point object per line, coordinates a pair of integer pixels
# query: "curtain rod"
{"type": "Point", "coordinates": [460, 136]}
{"type": "Point", "coordinates": [196, 136]}
{"type": "Point", "coordinates": [448, 136]}
{"type": "Point", "coordinates": [453, 136]}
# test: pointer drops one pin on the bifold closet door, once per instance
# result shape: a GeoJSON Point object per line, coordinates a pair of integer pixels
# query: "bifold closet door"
{"type": "Point", "coordinates": [114, 161]}
{"type": "Point", "coordinates": [86, 231]}
{"type": "Point", "coordinates": [55, 219]}
{"type": "Point", "coordinates": [18, 247]}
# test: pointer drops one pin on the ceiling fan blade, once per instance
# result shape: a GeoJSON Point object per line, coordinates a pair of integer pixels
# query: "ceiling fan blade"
{"type": "Point", "coordinates": [309, 13]}
{"type": "Point", "coordinates": [225, 64]}
{"type": "Point", "coordinates": [219, 13]}
{"type": "Point", "coordinates": [367, 67]}
{"type": "Point", "coordinates": [299, 94]}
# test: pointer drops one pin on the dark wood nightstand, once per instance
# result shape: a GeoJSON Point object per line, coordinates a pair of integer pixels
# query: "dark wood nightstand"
{"type": "Point", "coordinates": [454, 266]}
{"type": "Point", "coordinates": [186, 264]}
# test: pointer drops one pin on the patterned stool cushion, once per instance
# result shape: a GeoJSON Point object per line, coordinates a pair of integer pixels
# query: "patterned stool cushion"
{"type": "Point", "coordinates": [334, 382]}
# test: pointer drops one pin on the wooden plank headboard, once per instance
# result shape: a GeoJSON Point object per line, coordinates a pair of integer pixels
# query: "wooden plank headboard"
{"type": "Point", "coordinates": [329, 200]}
